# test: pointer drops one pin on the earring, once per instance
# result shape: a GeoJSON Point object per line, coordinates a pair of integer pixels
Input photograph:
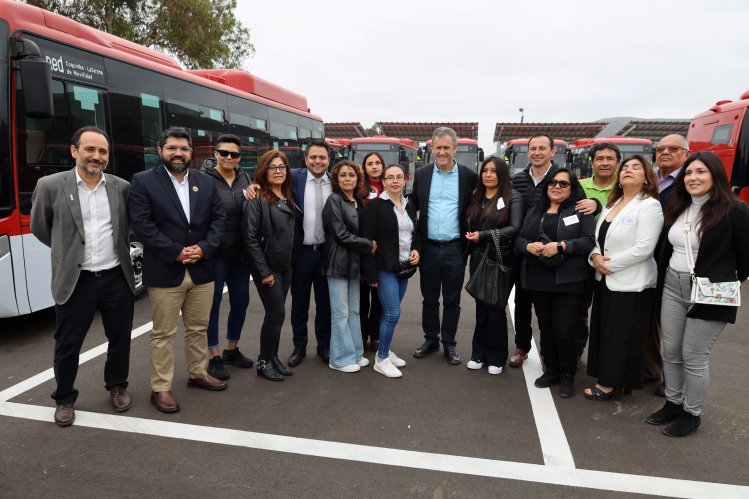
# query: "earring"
{"type": "Point", "coordinates": [646, 182]}
{"type": "Point", "coordinates": [620, 186]}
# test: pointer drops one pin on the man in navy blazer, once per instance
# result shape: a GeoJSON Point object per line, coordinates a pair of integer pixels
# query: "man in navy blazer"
{"type": "Point", "coordinates": [177, 214]}
{"type": "Point", "coordinates": [311, 187]}
{"type": "Point", "coordinates": [441, 194]}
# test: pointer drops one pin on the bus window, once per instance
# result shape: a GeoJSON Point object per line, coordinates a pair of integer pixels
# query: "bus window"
{"type": "Point", "coordinates": [86, 107]}
{"type": "Point", "coordinates": [722, 134]}
{"type": "Point", "coordinates": [284, 134]}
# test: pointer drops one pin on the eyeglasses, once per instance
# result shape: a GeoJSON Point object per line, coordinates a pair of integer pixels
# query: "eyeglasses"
{"type": "Point", "coordinates": [228, 154]}
{"type": "Point", "coordinates": [563, 184]}
{"type": "Point", "coordinates": [177, 148]}
{"type": "Point", "coordinates": [277, 168]}
{"type": "Point", "coordinates": [390, 178]}
{"type": "Point", "coordinates": [671, 149]}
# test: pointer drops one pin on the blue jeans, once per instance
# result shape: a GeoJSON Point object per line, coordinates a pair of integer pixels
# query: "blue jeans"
{"type": "Point", "coordinates": [391, 291]}
{"type": "Point", "coordinates": [236, 274]}
{"type": "Point", "coordinates": [346, 345]}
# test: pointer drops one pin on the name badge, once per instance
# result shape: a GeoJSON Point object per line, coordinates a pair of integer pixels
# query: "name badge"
{"type": "Point", "coordinates": [571, 220]}
{"type": "Point", "coordinates": [500, 204]}
{"type": "Point", "coordinates": [629, 220]}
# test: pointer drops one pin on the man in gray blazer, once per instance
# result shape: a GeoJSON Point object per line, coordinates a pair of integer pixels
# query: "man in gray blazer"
{"type": "Point", "coordinates": [81, 214]}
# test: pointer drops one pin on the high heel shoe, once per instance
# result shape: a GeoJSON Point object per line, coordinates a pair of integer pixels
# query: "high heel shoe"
{"type": "Point", "coordinates": [267, 370]}
{"type": "Point", "coordinates": [285, 371]}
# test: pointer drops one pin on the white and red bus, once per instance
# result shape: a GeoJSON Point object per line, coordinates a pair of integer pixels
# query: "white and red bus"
{"type": "Point", "coordinates": [469, 153]}
{"type": "Point", "coordinates": [516, 154]}
{"type": "Point", "coordinates": [628, 146]}
{"type": "Point", "coordinates": [394, 150]}
{"type": "Point", "coordinates": [57, 75]}
{"type": "Point", "coordinates": [724, 130]}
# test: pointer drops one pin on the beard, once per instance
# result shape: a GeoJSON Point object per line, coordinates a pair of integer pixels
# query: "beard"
{"type": "Point", "coordinates": [176, 168]}
{"type": "Point", "coordinates": [92, 168]}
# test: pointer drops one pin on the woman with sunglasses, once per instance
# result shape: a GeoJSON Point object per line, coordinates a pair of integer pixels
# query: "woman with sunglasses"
{"type": "Point", "coordinates": [231, 181]}
{"type": "Point", "coordinates": [272, 234]}
{"type": "Point", "coordinates": [494, 206]}
{"type": "Point", "coordinates": [556, 240]}
{"type": "Point", "coordinates": [704, 216]}
{"type": "Point", "coordinates": [626, 236]}
{"type": "Point", "coordinates": [370, 307]}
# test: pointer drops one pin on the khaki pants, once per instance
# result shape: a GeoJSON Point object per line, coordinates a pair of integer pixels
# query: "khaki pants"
{"type": "Point", "coordinates": [194, 300]}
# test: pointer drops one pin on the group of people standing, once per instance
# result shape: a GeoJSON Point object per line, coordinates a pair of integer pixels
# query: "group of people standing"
{"type": "Point", "coordinates": [626, 240]}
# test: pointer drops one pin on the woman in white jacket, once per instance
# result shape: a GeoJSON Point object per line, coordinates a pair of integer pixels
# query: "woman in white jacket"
{"type": "Point", "coordinates": [626, 274]}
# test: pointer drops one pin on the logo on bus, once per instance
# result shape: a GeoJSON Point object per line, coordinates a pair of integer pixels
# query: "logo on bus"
{"type": "Point", "coordinates": [56, 64]}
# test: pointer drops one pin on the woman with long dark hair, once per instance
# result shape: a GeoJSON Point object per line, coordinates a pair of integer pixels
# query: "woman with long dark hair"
{"type": "Point", "coordinates": [626, 235]}
{"type": "Point", "coordinates": [370, 308]}
{"type": "Point", "coordinates": [556, 240]}
{"type": "Point", "coordinates": [494, 207]}
{"type": "Point", "coordinates": [271, 235]}
{"type": "Point", "coordinates": [703, 216]}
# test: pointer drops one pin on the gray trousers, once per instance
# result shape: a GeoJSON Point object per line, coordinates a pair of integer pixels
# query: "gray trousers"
{"type": "Point", "coordinates": [686, 344]}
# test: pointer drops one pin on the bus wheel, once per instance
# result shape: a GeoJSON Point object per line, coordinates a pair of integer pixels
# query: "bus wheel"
{"type": "Point", "coordinates": [136, 256]}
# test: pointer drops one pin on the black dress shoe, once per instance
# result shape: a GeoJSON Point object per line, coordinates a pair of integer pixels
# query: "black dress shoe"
{"type": "Point", "coordinates": [426, 348]}
{"type": "Point", "coordinates": [451, 354]}
{"type": "Point", "coordinates": [548, 379]}
{"type": "Point", "coordinates": [267, 370]}
{"type": "Point", "coordinates": [324, 354]}
{"type": "Point", "coordinates": [297, 356]}
{"type": "Point", "coordinates": [665, 415]}
{"type": "Point", "coordinates": [280, 367]}
{"type": "Point", "coordinates": [685, 424]}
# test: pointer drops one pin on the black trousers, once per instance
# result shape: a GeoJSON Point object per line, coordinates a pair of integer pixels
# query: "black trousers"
{"type": "Point", "coordinates": [490, 336]}
{"type": "Point", "coordinates": [558, 320]}
{"type": "Point", "coordinates": [110, 294]}
{"type": "Point", "coordinates": [274, 303]}
{"type": "Point", "coordinates": [370, 312]}
{"type": "Point", "coordinates": [441, 270]}
{"type": "Point", "coordinates": [581, 340]}
{"type": "Point", "coordinates": [306, 275]}
{"type": "Point", "coordinates": [523, 312]}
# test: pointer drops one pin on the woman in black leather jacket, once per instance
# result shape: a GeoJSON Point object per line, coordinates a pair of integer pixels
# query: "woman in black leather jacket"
{"type": "Point", "coordinates": [556, 240]}
{"type": "Point", "coordinates": [494, 207]}
{"type": "Point", "coordinates": [271, 234]}
{"type": "Point", "coordinates": [341, 263]}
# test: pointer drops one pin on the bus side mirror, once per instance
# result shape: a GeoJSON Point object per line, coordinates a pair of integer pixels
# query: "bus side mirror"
{"type": "Point", "coordinates": [36, 78]}
{"type": "Point", "coordinates": [569, 157]}
{"type": "Point", "coordinates": [481, 155]}
{"type": "Point", "coordinates": [403, 157]}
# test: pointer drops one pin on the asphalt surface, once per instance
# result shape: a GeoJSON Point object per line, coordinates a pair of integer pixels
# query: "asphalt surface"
{"type": "Point", "coordinates": [435, 410]}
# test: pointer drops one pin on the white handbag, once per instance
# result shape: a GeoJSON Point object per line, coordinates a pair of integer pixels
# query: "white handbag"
{"type": "Point", "coordinates": [705, 292]}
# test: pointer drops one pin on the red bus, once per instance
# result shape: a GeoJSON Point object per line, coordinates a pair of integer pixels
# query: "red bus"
{"type": "Point", "coordinates": [516, 154]}
{"type": "Point", "coordinates": [57, 75]}
{"type": "Point", "coordinates": [628, 146]}
{"type": "Point", "coordinates": [469, 153]}
{"type": "Point", "coordinates": [724, 130]}
{"type": "Point", "coordinates": [394, 150]}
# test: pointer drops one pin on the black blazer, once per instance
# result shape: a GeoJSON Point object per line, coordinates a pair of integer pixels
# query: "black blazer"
{"type": "Point", "coordinates": [467, 179]}
{"type": "Point", "coordinates": [157, 218]}
{"type": "Point", "coordinates": [381, 225]}
{"type": "Point", "coordinates": [723, 255]}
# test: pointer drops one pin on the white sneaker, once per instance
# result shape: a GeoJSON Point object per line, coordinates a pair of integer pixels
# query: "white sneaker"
{"type": "Point", "coordinates": [363, 362]}
{"type": "Point", "coordinates": [386, 368]}
{"type": "Point", "coordinates": [397, 361]}
{"type": "Point", "coordinates": [351, 368]}
{"type": "Point", "coordinates": [472, 364]}
{"type": "Point", "coordinates": [495, 370]}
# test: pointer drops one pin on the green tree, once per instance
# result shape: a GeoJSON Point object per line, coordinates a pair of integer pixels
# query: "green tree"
{"type": "Point", "coordinates": [199, 33]}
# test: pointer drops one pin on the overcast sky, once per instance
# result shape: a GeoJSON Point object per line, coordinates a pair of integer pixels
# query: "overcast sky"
{"type": "Point", "coordinates": [388, 60]}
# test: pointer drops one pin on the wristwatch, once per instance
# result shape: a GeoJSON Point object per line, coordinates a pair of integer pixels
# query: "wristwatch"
{"type": "Point", "coordinates": [560, 248]}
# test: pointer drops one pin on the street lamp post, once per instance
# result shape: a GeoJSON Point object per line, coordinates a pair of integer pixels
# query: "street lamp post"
{"type": "Point", "coordinates": [521, 115]}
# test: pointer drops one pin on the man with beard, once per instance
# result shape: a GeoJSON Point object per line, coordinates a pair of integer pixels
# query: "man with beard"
{"type": "Point", "coordinates": [177, 214]}
{"type": "Point", "coordinates": [81, 215]}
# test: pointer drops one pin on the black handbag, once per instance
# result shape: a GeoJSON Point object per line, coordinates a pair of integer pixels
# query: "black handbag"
{"type": "Point", "coordinates": [491, 282]}
{"type": "Point", "coordinates": [406, 270]}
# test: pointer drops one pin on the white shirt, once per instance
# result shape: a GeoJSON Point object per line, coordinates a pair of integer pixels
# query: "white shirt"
{"type": "Point", "coordinates": [405, 227]}
{"type": "Point", "coordinates": [540, 179]}
{"type": "Point", "coordinates": [310, 213]}
{"type": "Point", "coordinates": [183, 191]}
{"type": "Point", "coordinates": [99, 252]}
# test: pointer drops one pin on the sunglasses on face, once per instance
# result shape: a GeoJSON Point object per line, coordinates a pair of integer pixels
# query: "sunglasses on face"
{"type": "Point", "coordinates": [228, 154]}
{"type": "Point", "coordinates": [563, 184]}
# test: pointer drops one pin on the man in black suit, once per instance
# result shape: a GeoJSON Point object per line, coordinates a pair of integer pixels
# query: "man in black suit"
{"type": "Point", "coordinates": [441, 193]}
{"type": "Point", "coordinates": [177, 214]}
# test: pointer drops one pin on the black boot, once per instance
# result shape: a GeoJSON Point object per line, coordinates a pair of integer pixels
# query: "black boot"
{"type": "Point", "coordinates": [567, 388]}
{"type": "Point", "coordinates": [685, 424]}
{"type": "Point", "coordinates": [550, 377]}
{"type": "Point", "coordinates": [665, 415]}
{"type": "Point", "coordinates": [280, 367]}
{"type": "Point", "coordinates": [267, 370]}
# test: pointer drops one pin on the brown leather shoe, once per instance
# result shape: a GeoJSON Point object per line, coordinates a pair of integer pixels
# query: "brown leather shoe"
{"type": "Point", "coordinates": [207, 382]}
{"type": "Point", "coordinates": [121, 400]}
{"type": "Point", "coordinates": [65, 414]}
{"type": "Point", "coordinates": [518, 358]}
{"type": "Point", "coordinates": [165, 402]}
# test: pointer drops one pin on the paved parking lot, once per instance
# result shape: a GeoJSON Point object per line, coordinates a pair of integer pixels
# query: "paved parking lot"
{"type": "Point", "coordinates": [440, 431]}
